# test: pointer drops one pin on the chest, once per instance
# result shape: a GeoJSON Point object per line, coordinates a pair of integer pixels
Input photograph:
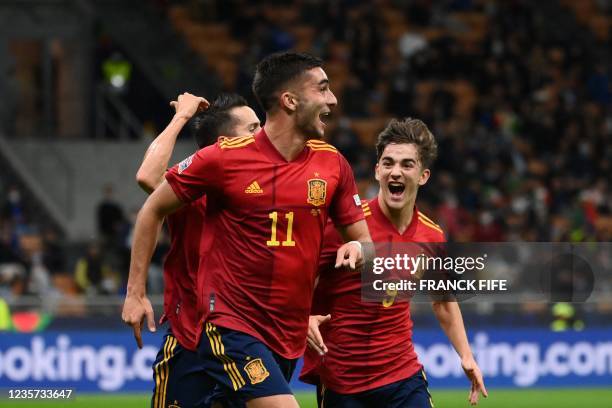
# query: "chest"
{"type": "Point", "coordinates": [259, 184]}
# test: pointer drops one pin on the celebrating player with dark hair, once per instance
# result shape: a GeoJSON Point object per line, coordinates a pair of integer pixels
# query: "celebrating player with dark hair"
{"type": "Point", "coordinates": [178, 373]}
{"type": "Point", "coordinates": [229, 115]}
{"type": "Point", "coordinates": [369, 357]}
{"type": "Point", "coordinates": [268, 201]}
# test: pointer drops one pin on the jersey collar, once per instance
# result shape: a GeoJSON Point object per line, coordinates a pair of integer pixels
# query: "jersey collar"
{"type": "Point", "coordinates": [383, 220]}
{"type": "Point", "coordinates": [267, 148]}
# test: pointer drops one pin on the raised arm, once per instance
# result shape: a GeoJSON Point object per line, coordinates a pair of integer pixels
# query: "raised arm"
{"type": "Point", "coordinates": [155, 162]}
{"type": "Point", "coordinates": [137, 306]}
{"type": "Point", "coordinates": [451, 321]}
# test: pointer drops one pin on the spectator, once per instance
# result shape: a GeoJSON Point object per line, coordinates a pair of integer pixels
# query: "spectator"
{"type": "Point", "coordinates": [13, 207]}
{"type": "Point", "coordinates": [343, 137]}
{"type": "Point", "coordinates": [110, 218]}
{"type": "Point", "coordinates": [38, 281]}
{"type": "Point", "coordinates": [93, 275]}
{"type": "Point", "coordinates": [54, 257]}
{"type": "Point", "coordinates": [13, 268]}
{"type": "Point", "coordinates": [355, 98]}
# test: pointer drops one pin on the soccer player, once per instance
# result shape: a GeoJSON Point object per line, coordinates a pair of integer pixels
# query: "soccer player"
{"type": "Point", "coordinates": [362, 355]}
{"type": "Point", "coordinates": [268, 201]}
{"type": "Point", "coordinates": [178, 375]}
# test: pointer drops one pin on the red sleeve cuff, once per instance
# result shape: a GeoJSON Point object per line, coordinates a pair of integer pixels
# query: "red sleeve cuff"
{"type": "Point", "coordinates": [175, 185]}
{"type": "Point", "coordinates": [348, 219]}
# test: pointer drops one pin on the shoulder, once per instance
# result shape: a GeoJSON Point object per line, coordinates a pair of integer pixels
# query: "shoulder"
{"type": "Point", "coordinates": [429, 230]}
{"type": "Point", "coordinates": [232, 143]}
{"type": "Point", "coordinates": [367, 211]}
{"type": "Point", "coordinates": [320, 146]}
{"type": "Point", "coordinates": [328, 153]}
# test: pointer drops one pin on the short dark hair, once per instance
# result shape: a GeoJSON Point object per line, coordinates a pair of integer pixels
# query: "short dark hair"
{"type": "Point", "coordinates": [413, 131]}
{"type": "Point", "coordinates": [275, 71]}
{"type": "Point", "coordinates": [216, 120]}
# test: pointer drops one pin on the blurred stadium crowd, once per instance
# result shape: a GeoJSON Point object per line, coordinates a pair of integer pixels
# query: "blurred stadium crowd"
{"type": "Point", "coordinates": [520, 105]}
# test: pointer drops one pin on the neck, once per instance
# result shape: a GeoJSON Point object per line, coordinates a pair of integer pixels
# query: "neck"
{"type": "Point", "coordinates": [283, 135]}
{"type": "Point", "coordinates": [400, 218]}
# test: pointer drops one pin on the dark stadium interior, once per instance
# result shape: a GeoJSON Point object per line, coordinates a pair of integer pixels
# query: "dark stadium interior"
{"type": "Point", "coordinates": [521, 106]}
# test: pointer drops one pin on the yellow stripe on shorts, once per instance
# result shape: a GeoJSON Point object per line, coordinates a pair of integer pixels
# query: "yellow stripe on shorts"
{"type": "Point", "coordinates": [171, 348]}
{"type": "Point", "coordinates": [428, 393]}
{"type": "Point", "coordinates": [219, 351]}
{"type": "Point", "coordinates": [160, 373]}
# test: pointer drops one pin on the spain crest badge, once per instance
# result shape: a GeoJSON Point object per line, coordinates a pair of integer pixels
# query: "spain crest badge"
{"type": "Point", "coordinates": [256, 371]}
{"type": "Point", "coordinates": [317, 191]}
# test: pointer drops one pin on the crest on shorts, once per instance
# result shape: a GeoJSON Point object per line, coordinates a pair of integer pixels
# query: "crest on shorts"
{"type": "Point", "coordinates": [256, 371]}
{"type": "Point", "coordinates": [175, 405]}
{"type": "Point", "coordinates": [317, 190]}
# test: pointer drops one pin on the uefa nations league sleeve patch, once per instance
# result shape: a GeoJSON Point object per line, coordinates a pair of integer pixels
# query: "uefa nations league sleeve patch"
{"type": "Point", "coordinates": [184, 164]}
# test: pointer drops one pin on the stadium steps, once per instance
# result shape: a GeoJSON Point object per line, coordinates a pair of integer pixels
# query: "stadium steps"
{"type": "Point", "coordinates": [67, 177]}
{"type": "Point", "coordinates": [565, 22]}
{"type": "Point", "coordinates": [163, 56]}
{"type": "Point", "coordinates": [587, 13]}
{"type": "Point", "coordinates": [211, 42]}
{"type": "Point", "coordinates": [223, 54]}
{"type": "Point", "coordinates": [27, 171]}
{"type": "Point", "coordinates": [367, 130]}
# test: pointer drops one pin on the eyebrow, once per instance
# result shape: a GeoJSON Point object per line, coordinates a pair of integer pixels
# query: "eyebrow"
{"type": "Point", "coordinates": [402, 160]}
{"type": "Point", "coordinates": [323, 81]}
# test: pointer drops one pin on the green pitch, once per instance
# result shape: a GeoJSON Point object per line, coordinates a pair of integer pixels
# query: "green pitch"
{"type": "Point", "coordinates": [539, 398]}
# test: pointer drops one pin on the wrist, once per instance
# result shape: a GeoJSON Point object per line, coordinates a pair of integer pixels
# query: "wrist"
{"type": "Point", "coordinates": [182, 117]}
{"type": "Point", "coordinates": [467, 356]}
{"type": "Point", "coordinates": [136, 291]}
{"type": "Point", "coordinates": [358, 244]}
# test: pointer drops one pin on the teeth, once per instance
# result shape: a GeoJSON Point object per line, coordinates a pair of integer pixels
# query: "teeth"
{"type": "Point", "coordinates": [396, 188]}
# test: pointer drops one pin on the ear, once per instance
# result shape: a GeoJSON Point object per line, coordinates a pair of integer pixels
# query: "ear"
{"type": "Point", "coordinates": [377, 172]}
{"type": "Point", "coordinates": [289, 101]}
{"type": "Point", "coordinates": [424, 177]}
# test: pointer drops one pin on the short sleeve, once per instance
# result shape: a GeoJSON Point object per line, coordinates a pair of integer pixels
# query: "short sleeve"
{"type": "Point", "coordinates": [331, 242]}
{"type": "Point", "coordinates": [198, 174]}
{"type": "Point", "coordinates": [346, 206]}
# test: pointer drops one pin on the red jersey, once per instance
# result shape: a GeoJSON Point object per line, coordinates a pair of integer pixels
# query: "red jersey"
{"type": "Point", "coordinates": [265, 219]}
{"type": "Point", "coordinates": [180, 273]}
{"type": "Point", "coordinates": [370, 345]}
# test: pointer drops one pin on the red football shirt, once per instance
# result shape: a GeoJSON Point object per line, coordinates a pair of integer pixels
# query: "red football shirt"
{"type": "Point", "coordinates": [265, 219]}
{"type": "Point", "coordinates": [370, 344]}
{"type": "Point", "coordinates": [181, 265]}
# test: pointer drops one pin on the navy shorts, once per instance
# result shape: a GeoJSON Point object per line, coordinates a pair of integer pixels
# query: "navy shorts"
{"type": "Point", "coordinates": [409, 393]}
{"type": "Point", "coordinates": [242, 366]}
{"type": "Point", "coordinates": [180, 378]}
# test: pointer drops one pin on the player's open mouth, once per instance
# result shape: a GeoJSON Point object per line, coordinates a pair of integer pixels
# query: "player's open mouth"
{"type": "Point", "coordinates": [396, 189]}
{"type": "Point", "coordinates": [323, 116]}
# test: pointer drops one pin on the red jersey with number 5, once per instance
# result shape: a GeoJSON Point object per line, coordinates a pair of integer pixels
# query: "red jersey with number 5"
{"type": "Point", "coordinates": [370, 344]}
{"type": "Point", "coordinates": [265, 219]}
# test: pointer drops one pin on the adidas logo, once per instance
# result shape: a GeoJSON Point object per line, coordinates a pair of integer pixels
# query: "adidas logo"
{"type": "Point", "coordinates": [253, 188]}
